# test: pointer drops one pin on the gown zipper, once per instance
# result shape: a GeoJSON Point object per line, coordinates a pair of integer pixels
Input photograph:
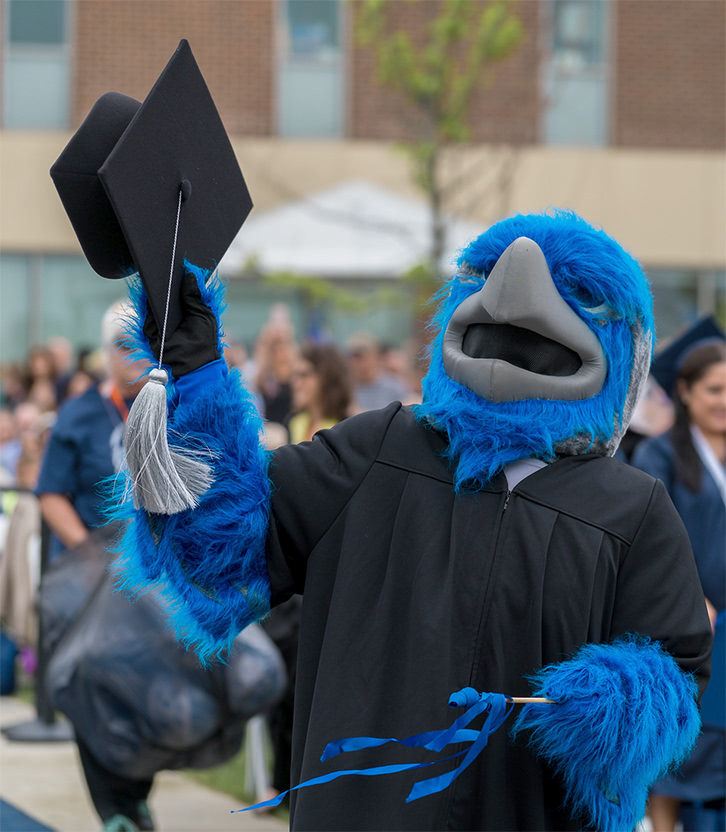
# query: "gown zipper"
{"type": "Point", "coordinates": [487, 589]}
{"type": "Point", "coordinates": [474, 663]}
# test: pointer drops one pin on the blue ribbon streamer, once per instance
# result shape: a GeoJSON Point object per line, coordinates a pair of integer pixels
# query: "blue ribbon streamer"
{"type": "Point", "coordinates": [493, 704]}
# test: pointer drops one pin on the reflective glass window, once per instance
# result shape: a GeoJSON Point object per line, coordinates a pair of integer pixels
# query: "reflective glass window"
{"type": "Point", "coordinates": [313, 28]}
{"type": "Point", "coordinates": [576, 73]}
{"type": "Point", "coordinates": [36, 65]}
{"type": "Point", "coordinates": [37, 21]}
{"type": "Point", "coordinates": [310, 71]}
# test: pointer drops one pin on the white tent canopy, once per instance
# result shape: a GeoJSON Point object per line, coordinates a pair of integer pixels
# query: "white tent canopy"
{"type": "Point", "coordinates": [354, 230]}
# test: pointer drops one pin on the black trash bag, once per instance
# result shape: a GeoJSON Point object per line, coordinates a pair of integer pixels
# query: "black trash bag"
{"type": "Point", "coordinates": [69, 581]}
{"type": "Point", "coordinates": [139, 700]}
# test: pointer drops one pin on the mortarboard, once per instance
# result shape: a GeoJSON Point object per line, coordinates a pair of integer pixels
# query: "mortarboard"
{"type": "Point", "coordinates": [146, 186]}
{"type": "Point", "coordinates": [121, 174]}
{"type": "Point", "coordinates": [666, 363]}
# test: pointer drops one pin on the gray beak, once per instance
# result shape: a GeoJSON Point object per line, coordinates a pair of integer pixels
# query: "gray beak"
{"type": "Point", "coordinates": [518, 339]}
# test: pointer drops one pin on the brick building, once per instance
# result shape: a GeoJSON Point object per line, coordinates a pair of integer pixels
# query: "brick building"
{"type": "Point", "coordinates": [615, 108]}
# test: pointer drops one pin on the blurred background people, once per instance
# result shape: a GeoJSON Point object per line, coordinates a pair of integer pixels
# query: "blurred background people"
{"type": "Point", "coordinates": [321, 391]}
{"type": "Point", "coordinates": [274, 356]}
{"type": "Point", "coordinates": [690, 459]}
{"type": "Point", "coordinates": [403, 365]}
{"type": "Point", "coordinates": [41, 365]}
{"type": "Point", "coordinates": [61, 351]}
{"type": "Point", "coordinates": [41, 382]}
{"type": "Point", "coordinates": [10, 446]}
{"type": "Point", "coordinates": [20, 554]}
{"type": "Point", "coordinates": [79, 381]}
{"type": "Point", "coordinates": [374, 387]}
{"type": "Point", "coordinates": [13, 380]}
{"type": "Point", "coordinates": [652, 416]}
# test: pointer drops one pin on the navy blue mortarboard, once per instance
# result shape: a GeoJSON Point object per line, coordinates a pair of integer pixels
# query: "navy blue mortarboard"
{"type": "Point", "coordinates": [121, 175]}
{"type": "Point", "coordinates": [666, 363]}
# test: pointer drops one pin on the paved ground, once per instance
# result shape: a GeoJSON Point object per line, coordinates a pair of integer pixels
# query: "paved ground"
{"type": "Point", "coordinates": [44, 780]}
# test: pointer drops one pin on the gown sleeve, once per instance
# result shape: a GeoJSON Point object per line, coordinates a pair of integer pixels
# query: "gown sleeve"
{"type": "Point", "coordinates": [312, 483]}
{"type": "Point", "coordinates": [658, 590]}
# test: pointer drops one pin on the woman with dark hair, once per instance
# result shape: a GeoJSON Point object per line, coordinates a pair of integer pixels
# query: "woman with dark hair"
{"type": "Point", "coordinates": [690, 460]}
{"type": "Point", "coordinates": [321, 390]}
{"type": "Point", "coordinates": [41, 379]}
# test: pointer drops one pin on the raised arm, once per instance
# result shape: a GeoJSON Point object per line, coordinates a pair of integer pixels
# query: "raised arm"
{"type": "Point", "coordinates": [207, 562]}
{"type": "Point", "coordinates": [219, 564]}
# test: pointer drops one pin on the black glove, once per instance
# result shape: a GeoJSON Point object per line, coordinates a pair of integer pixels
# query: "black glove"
{"type": "Point", "coordinates": [194, 342]}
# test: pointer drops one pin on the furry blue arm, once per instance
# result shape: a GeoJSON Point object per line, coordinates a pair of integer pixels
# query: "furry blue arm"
{"type": "Point", "coordinates": [625, 716]}
{"type": "Point", "coordinates": [208, 563]}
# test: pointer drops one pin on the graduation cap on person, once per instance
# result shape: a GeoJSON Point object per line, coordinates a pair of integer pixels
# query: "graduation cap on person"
{"type": "Point", "coordinates": [668, 362]}
{"type": "Point", "coordinates": [146, 186]}
{"type": "Point", "coordinates": [139, 177]}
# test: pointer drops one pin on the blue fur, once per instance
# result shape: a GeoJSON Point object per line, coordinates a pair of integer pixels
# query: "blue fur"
{"type": "Point", "coordinates": [209, 564]}
{"type": "Point", "coordinates": [626, 715]}
{"type": "Point", "coordinates": [588, 268]}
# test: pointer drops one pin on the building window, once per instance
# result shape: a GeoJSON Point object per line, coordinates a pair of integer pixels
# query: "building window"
{"type": "Point", "coordinates": [576, 72]}
{"type": "Point", "coordinates": [310, 72]}
{"type": "Point", "coordinates": [46, 295]}
{"type": "Point", "coordinates": [36, 64]}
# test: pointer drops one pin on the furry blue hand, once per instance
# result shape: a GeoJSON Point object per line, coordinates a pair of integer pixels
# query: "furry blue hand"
{"type": "Point", "coordinates": [197, 341]}
{"type": "Point", "coordinates": [626, 715]}
{"type": "Point", "coordinates": [209, 563]}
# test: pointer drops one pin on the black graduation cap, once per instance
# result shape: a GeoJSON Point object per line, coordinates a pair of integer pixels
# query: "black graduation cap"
{"type": "Point", "coordinates": [666, 364]}
{"type": "Point", "coordinates": [121, 174]}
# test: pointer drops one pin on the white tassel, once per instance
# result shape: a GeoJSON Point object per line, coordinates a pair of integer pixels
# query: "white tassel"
{"type": "Point", "coordinates": [163, 481]}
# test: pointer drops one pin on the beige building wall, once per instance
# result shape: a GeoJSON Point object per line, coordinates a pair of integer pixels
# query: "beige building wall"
{"type": "Point", "coordinates": [667, 207]}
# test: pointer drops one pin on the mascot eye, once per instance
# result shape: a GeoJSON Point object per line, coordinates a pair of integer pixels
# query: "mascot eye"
{"type": "Point", "coordinates": [602, 313]}
{"type": "Point", "coordinates": [594, 305]}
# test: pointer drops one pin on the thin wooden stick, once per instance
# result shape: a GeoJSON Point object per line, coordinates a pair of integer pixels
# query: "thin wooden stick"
{"type": "Point", "coordinates": [524, 700]}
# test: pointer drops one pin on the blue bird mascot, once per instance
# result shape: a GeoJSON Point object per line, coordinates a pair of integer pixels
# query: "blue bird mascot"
{"type": "Point", "coordinates": [485, 540]}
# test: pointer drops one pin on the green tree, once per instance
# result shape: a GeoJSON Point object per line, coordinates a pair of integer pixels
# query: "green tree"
{"type": "Point", "coordinates": [438, 77]}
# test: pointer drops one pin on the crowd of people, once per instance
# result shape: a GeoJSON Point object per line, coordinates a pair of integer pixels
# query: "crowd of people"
{"type": "Point", "coordinates": [359, 375]}
{"type": "Point", "coordinates": [61, 427]}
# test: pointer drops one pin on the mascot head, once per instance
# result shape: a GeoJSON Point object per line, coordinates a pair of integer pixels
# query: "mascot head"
{"type": "Point", "coordinates": [544, 339]}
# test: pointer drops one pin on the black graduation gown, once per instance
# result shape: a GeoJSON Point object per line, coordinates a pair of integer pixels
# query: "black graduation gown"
{"type": "Point", "coordinates": [412, 592]}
